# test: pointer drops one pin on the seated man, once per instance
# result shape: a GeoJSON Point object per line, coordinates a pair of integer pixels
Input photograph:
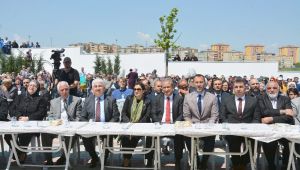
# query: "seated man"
{"type": "Point", "coordinates": [167, 108]}
{"type": "Point", "coordinates": [201, 106]}
{"type": "Point", "coordinates": [101, 108]}
{"type": "Point", "coordinates": [275, 108]}
{"type": "Point", "coordinates": [239, 108]}
{"type": "Point", "coordinates": [66, 107]}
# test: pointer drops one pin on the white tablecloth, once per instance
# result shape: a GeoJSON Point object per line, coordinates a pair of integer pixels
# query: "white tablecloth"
{"type": "Point", "coordinates": [137, 129]}
{"type": "Point", "coordinates": [40, 127]}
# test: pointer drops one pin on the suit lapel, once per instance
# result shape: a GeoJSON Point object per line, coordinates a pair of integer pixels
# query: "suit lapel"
{"type": "Point", "coordinates": [92, 107]}
{"type": "Point", "coordinates": [106, 108]}
{"type": "Point", "coordinates": [174, 103]}
{"type": "Point", "coordinates": [195, 102]}
{"type": "Point", "coordinates": [70, 108]}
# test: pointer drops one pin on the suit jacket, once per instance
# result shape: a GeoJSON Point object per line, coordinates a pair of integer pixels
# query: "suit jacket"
{"type": "Point", "coordinates": [111, 110]}
{"type": "Point", "coordinates": [267, 110]}
{"type": "Point", "coordinates": [210, 111]}
{"type": "Point", "coordinates": [251, 112]}
{"type": "Point", "coordinates": [73, 110]}
{"type": "Point", "coordinates": [158, 108]}
{"type": "Point", "coordinates": [126, 111]}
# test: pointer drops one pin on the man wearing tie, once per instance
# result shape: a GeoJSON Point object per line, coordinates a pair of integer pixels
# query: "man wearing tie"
{"type": "Point", "coordinates": [167, 108]}
{"type": "Point", "coordinates": [201, 106]}
{"type": "Point", "coordinates": [101, 108]}
{"type": "Point", "coordinates": [239, 108]}
{"type": "Point", "coordinates": [67, 108]}
{"type": "Point", "coordinates": [217, 91]}
{"type": "Point", "coordinates": [275, 108]}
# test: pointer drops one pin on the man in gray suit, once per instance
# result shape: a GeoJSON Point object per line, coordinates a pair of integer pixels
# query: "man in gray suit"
{"type": "Point", "coordinates": [101, 108]}
{"type": "Point", "coordinates": [201, 106]}
{"type": "Point", "coordinates": [67, 108]}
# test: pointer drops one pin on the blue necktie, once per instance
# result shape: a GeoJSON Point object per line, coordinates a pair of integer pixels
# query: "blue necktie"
{"type": "Point", "coordinates": [199, 104]}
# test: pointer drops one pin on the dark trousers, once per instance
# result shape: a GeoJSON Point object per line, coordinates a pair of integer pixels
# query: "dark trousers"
{"type": "Point", "coordinates": [270, 150]}
{"type": "Point", "coordinates": [47, 142]}
{"type": "Point", "coordinates": [132, 142]}
{"type": "Point", "coordinates": [234, 144]}
{"type": "Point", "coordinates": [24, 139]}
{"type": "Point", "coordinates": [89, 144]}
{"type": "Point", "coordinates": [208, 146]}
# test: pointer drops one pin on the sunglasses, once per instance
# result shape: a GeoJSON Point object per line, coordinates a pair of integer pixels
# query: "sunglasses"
{"type": "Point", "coordinates": [269, 88]}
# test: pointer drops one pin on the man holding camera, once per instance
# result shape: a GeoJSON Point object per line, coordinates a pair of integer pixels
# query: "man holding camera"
{"type": "Point", "coordinates": [69, 75]}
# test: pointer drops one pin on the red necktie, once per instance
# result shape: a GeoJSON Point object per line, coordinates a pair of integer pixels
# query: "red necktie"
{"type": "Point", "coordinates": [240, 107]}
{"type": "Point", "coordinates": [168, 113]}
{"type": "Point", "coordinates": [98, 110]}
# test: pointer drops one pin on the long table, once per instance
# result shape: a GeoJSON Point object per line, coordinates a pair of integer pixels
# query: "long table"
{"type": "Point", "coordinates": [258, 132]}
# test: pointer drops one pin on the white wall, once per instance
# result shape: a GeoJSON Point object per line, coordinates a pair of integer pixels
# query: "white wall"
{"type": "Point", "coordinates": [146, 63]}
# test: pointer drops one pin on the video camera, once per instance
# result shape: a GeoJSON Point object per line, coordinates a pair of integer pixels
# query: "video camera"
{"type": "Point", "coordinates": [56, 56]}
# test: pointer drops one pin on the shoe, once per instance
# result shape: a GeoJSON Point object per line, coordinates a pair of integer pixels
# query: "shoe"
{"type": "Point", "coordinates": [61, 161]}
{"type": "Point", "coordinates": [126, 162]}
{"type": "Point", "coordinates": [93, 163]}
{"type": "Point", "coordinates": [48, 162]}
{"type": "Point", "coordinates": [22, 157]}
{"type": "Point", "coordinates": [149, 163]}
{"type": "Point", "coordinates": [165, 150]}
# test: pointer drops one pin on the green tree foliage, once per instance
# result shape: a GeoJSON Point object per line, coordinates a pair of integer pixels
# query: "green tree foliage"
{"type": "Point", "coordinates": [117, 66]}
{"type": "Point", "coordinates": [109, 66]}
{"type": "Point", "coordinates": [103, 69]}
{"type": "Point", "coordinates": [165, 38]}
{"type": "Point", "coordinates": [39, 64]}
{"type": "Point", "coordinates": [97, 63]}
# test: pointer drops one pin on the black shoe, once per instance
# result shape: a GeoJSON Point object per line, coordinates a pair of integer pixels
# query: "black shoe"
{"type": "Point", "coordinates": [61, 161]}
{"type": "Point", "coordinates": [93, 163]}
{"type": "Point", "coordinates": [165, 150]}
{"type": "Point", "coordinates": [149, 163]}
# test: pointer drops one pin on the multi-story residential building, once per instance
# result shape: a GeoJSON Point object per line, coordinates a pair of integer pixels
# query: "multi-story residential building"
{"type": "Point", "coordinates": [252, 50]}
{"type": "Point", "coordinates": [290, 51]}
{"type": "Point", "coordinates": [219, 49]}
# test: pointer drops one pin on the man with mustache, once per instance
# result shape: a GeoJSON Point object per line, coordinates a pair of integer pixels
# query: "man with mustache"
{"type": "Point", "coordinates": [275, 109]}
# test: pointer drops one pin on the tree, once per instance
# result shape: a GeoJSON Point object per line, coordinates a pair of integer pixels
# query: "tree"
{"type": "Point", "coordinates": [10, 64]}
{"type": "Point", "coordinates": [117, 66]}
{"type": "Point", "coordinates": [33, 65]}
{"type": "Point", "coordinates": [97, 66]}
{"type": "Point", "coordinates": [167, 34]}
{"type": "Point", "coordinates": [3, 63]}
{"type": "Point", "coordinates": [109, 66]}
{"type": "Point", "coordinates": [103, 66]}
{"type": "Point", "coordinates": [39, 64]}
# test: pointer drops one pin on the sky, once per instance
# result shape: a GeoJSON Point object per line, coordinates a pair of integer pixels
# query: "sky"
{"type": "Point", "coordinates": [272, 23]}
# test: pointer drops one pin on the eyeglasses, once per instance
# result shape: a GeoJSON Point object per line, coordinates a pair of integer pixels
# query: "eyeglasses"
{"type": "Point", "coordinates": [269, 88]}
{"type": "Point", "coordinates": [25, 82]}
{"type": "Point", "coordinates": [137, 89]}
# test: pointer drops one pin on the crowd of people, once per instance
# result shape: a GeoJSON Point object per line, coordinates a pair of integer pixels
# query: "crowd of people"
{"type": "Point", "coordinates": [6, 45]}
{"type": "Point", "coordinates": [149, 98]}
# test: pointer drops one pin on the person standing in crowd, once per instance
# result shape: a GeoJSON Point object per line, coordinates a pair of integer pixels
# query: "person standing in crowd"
{"type": "Point", "coordinates": [101, 108]}
{"type": "Point", "coordinates": [28, 107]}
{"type": "Point", "coordinates": [69, 75]}
{"type": "Point", "coordinates": [132, 78]}
{"type": "Point", "coordinates": [254, 88]}
{"type": "Point", "coordinates": [67, 108]}
{"type": "Point", "coordinates": [183, 87]}
{"type": "Point", "coordinates": [275, 108]}
{"type": "Point", "coordinates": [137, 109]}
{"type": "Point", "coordinates": [8, 92]}
{"type": "Point", "coordinates": [201, 106]}
{"type": "Point", "coordinates": [123, 91]}
{"type": "Point", "coordinates": [239, 108]}
{"type": "Point", "coordinates": [167, 108]}
{"type": "Point", "coordinates": [157, 89]}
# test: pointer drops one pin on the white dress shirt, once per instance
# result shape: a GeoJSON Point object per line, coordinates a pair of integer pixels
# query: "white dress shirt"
{"type": "Point", "coordinates": [237, 103]}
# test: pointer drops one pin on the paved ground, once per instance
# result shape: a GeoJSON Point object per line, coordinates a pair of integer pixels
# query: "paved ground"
{"type": "Point", "coordinates": [215, 162]}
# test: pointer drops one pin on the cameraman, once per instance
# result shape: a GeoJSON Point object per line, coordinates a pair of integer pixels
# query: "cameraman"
{"type": "Point", "coordinates": [69, 75]}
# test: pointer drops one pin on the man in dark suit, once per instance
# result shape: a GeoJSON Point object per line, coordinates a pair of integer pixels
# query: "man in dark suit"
{"type": "Point", "coordinates": [201, 107]}
{"type": "Point", "coordinates": [275, 109]}
{"type": "Point", "coordinates": [167, 108]}
{"type": "Point", "coordinates": [101, 108]}
{"type": "Point", "coordinates": [217, 91]}
{"type": "Point", "coordinates": [67, 108]}
{"type": "Point", "coordinates": [239, 108]}
{"type": "Point", "coordinates": [157, 88]}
